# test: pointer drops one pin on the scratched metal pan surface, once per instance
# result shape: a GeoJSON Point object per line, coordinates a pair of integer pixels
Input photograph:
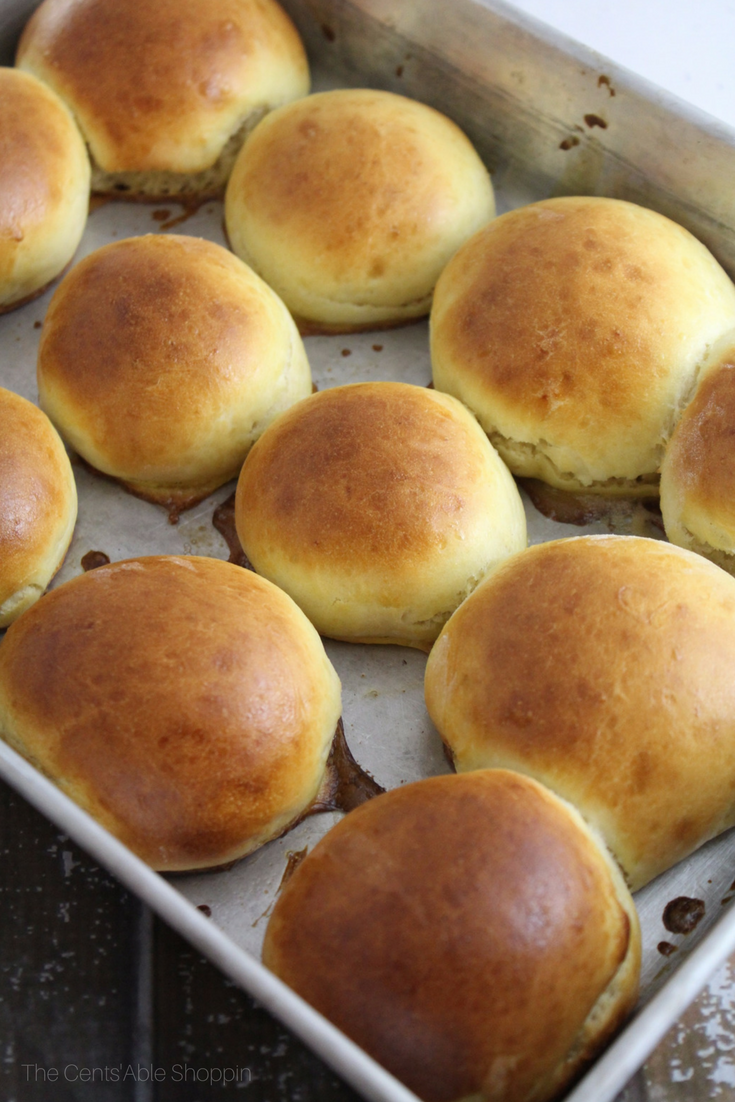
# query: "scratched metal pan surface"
{"type": "Point", "coordinates": [550, 118]}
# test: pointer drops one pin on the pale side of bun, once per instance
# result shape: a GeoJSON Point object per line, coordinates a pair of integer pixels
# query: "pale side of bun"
{"type": "Point", "coordinates": [44, 187]}
{"type": "Point", "coordinates": [603, 667]}
{"type": "Point", "coordinates": [187, 704]}
{"type": "Point", "coordinates": [162, 358]}
{"type": "Point", "coordinates": [469, 932]}
{"type": "Point", "coordinates": [38, 504]}
{"type": "Point", "coordinates": [378, 507]}
{"type": "Point", "coordinates": [350, 203]}
{"type": "Point", "coordinates": [698, 471]}
{"type": "Point", "coordinates": [574, 329]}
{"type": "Point", "coordinates": [165, 91]}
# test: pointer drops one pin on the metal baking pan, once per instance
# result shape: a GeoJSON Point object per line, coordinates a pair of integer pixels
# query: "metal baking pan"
{"type": "Point", "coordinates": [549, 117]}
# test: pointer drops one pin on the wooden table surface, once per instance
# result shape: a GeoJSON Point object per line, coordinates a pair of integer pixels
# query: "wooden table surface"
{"type": "Point", "coordinates": [89, 979]}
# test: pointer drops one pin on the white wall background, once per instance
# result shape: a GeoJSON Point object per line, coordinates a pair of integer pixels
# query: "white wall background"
{"type": "Point", "coordinates": [688, 48]}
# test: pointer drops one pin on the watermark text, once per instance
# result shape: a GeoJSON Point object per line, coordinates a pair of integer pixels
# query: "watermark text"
{"type": "Point", "coordinates": [135, 1073]}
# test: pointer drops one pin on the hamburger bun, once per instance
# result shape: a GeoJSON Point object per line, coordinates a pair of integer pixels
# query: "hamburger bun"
{"type": "Point", "coordinates": [162, 359]}
{"type": "Point", "coordinates": [44, 187]}
{"type": "Point", "coordinates": [698, 471]}
{"type": "Point", "coordinates": [603, 667]}
{"type": "Point", "coordinates": [574, 329]}
{"type": "Point", "coordinates": [378, 507]}
{"type": "Point", "coordinates": [183, 702]}
{"type": "Point", "coordinates": [468, 932]}
{"type": "Point", "coordinates": [38, 504]}
{"type": "Point", "coordinates": [350, 203]}
{"type": "Point", "coordinates": [165, 92]}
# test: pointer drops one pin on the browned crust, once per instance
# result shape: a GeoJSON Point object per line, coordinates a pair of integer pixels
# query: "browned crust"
{"type": "Point", "coordinates": [351, 171]}
{"type": "Point", "coordinates": [700, 463]}
{"type": "Point", "coordinates": [460, 930]}
{"type": "Point", "coordinates": [197, 68]}
{"type": "Point", "coordinates": [377, 507]}
{"type": "Point", "coordinates": [545, 272]}
{"type": "Point", "coordinates": [350, 202]}
{"type": "Point", "coordinates": [159, 357]}
{"type": "Point", "coordinates": [602, 666]}
{"type": "Point", "coordinates": [184, 702]}
{"type": "Point", "coordinates": [151, 300]}
{"type": "Point", "coordinates": [361, 476]}
{"type": "Point", "coordinates": [44, 182]}
{"type": "Point", "coordinates": [35, 151]}
{"type": "Point", "coordinates": [554, 324]}
{"type": "Point", "coordinates": [37, 499]}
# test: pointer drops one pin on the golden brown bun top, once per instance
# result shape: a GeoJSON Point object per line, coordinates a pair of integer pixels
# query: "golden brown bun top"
{"type": "Point", "coordinates": [698, 473]}
{"type": "Point", "coordinates": [357, 197]}
{"type": "Point", "coordinates": [346, 165]}
{"type": "Point", "coordinates": [603, 666]}
{"type": "Point", "coordinates": [151, 341]}
{"type": "Point", "coordinates": [41, 157]}
{"type": "Point", "coordinates": [37, 495]}
{"type": "Point", "coordinates": [460, 930]}
{"type": "Point", "coordinates": [161, 85]}
{"type": "Point", "coordinates": [185, 702]}
{"type": "Point", "coordinates": [378, 507]}
{"type": "Point", "coordinates": [575, 325]}
{"type": "Point", "coordinates": [365, 476]}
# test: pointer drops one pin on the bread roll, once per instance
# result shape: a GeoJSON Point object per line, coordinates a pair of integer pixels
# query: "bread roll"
{"type": "Point", "coordinates": [184, 702]}
{"type": "Point", "coordinates": [165, 91]}
{"type": "Point", "coordinates": [698, 471]}
{"type": "Point", "coordinates": [378, 507]}
{"type": "Point", "coordinates": [162, 359]}
{"type": "Point", "coordinates": [350, 203]}
{"type": "Point", "coordinates": [574, 329]}
{"type": "Point", "coordinates": [468, 932]}
{"type": "Point", "coordinates": [38, 504]}
{"type": "Point", "coordinates": [44, 187]}
{"type": "Point", "coordinates": [604, 667]}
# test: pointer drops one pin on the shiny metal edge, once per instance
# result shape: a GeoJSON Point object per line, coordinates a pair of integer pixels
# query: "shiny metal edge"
{"type": "Point", "coordinates": [337, 1050]}
{"type": "Point", "coordinates": [630, 1049]}
{"type": "Point", "coordinates": [522, 90]}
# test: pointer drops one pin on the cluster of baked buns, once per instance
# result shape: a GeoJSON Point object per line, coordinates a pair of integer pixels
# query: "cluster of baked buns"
{"type": "Point", "coordinates": [474, 932]}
